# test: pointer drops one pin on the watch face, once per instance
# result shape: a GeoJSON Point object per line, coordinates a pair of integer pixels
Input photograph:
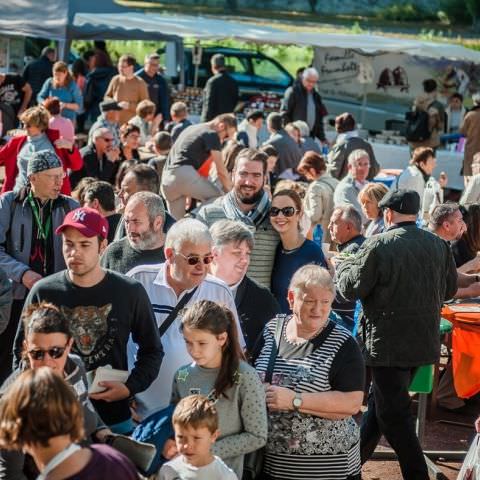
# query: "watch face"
{"type": "Point", "coordinates": [297, 402]}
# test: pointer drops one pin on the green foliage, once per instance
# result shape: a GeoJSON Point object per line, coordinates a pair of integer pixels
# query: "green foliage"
{"type": "Point", "coordinates": [454, 11]}
{"type": "Point", "coordinates": [473, 7]}
{"type": "Point", "coordinates": [356, 28]}
{"type": "Point", "coordinates": [406, 12]}
{"type": "Point", "coordinates": [291, 57]}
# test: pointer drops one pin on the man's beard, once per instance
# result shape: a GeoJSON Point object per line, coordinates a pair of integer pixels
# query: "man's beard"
{"type": "Point", "coordinates": [143, 241]}
{"type": "Point", "coordinates": [249, 200]}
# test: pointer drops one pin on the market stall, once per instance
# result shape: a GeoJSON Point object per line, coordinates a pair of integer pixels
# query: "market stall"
{"type": "Point", "coordinates": [353, 64]}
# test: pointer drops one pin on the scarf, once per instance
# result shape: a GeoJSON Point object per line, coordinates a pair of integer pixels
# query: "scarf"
{"type": "Point", "coordinates": [254, 217]}
{"type": "Point", "coordinates": [343, 137]}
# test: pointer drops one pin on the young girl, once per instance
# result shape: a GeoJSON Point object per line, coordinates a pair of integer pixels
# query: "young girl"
{"type": "Point", "coordinates": [219, 372]}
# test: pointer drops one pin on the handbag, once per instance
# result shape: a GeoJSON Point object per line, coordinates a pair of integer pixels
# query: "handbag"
{"type": "Point", "coordinates": [253, 461]}
{"type": "Point", "coordinates": [174, 313]}
{"type": "Point", "coordinates": [471, 465]}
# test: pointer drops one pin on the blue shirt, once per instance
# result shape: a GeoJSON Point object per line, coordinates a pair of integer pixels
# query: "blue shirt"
{"type": "Point", "coordinates": [287, 262]}
{"type": "Point", "coordinates": [69, 94]}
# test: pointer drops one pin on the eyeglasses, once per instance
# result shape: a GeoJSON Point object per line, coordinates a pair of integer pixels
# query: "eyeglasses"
{"type": "Point", "coordinates": [286, 211]}
{"type": "Point", "coordinates": [194, 259]}
{"type": "Point", "coordinates": [54, 178]}
{"type": "Point", "coordinates": [107, 139]}
{"type": "Point", "coordinates": [54, 352]}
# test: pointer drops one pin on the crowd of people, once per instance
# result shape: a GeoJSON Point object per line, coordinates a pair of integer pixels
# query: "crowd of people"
{"type": "Point", "coordinates": [252, 294]}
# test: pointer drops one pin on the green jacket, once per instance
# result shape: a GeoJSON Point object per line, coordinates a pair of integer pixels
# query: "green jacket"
{"type": "Point", "coordinates": [402, 277]}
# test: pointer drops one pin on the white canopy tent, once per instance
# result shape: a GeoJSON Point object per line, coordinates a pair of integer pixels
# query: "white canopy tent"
{"type": "Point", "coordinates": [205, 27]}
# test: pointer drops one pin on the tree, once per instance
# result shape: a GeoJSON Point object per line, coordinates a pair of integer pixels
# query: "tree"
{"type": "Point", "coordinates": [231, 5]}
{"type": "Point", "coordinates": [473, 7]}
{"type": "Point", "coordinates": [313, 5]}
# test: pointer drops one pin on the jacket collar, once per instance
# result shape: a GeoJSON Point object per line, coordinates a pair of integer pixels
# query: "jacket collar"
{"type": "Point", "coordinates": [400, 225]}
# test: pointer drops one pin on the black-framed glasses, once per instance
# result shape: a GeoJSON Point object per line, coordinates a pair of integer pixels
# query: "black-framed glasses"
{"type": "Point", "coordinates": [286, 211]}
{"type": "Point", "coordinates": [194, 259]}
{"type": "Point", "coordinates": [54, 352]}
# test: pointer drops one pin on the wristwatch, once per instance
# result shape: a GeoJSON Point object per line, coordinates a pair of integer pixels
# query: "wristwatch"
{"type": "Point", "coordinates": [297, 401]}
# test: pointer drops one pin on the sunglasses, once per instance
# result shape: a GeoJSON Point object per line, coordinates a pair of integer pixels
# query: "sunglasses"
{"type": "Point", "coordinates": [286, 211]}
{"type": "Point", "coordinates": [194, 259]}
{"type": "Point", "coordinates": [54, 352]}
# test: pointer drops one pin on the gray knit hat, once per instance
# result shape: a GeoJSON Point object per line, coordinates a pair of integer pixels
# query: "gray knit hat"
{"type": "Point", "coordinates": [43, 160]}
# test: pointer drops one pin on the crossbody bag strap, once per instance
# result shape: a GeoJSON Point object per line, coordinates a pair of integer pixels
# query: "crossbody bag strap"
{"type": "Point", "coordinates": [174, 313]}
{"type": "Point", "coordinates": [276, 344]}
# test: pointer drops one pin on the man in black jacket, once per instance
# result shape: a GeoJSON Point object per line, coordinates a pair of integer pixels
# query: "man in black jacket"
{"type": "Point", "coordinates": [37, 71]}
{"type": "Point", "coordinates": [232, 246]}
{"type": "Point", "coordinates": [402, 277]}
{"type": "Point", "coordinates": [105, 309]}
{"type": "Point", "coordinates": [303, 102]}
{"type": "Point", "coordinates": [221, 91]}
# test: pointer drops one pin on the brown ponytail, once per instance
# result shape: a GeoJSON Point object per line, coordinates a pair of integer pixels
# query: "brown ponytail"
{"type": "Point", "coordinates": [217, 319]}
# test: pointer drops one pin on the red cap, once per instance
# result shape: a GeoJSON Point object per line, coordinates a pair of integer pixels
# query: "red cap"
{"type": "Point", "coordinates": [87, 221]}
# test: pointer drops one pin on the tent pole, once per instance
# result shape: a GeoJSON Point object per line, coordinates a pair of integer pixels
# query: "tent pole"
{"type": "Point", "coordinates": [364, 105]}
{"type": "Point", "coordinates": [181, 60]}
{"type": "Point", "coordinates": [63, 49]}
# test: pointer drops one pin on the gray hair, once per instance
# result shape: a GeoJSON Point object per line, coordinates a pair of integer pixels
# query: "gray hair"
{"type": "Point", "coordinates": [302, 127]}
{"type": "Point", "coordinates": [225, 232]}
{"type": "Point", "coordinates": [311, 276]}
{"type": "Point", "coordinates": [310, 72]}
{"type": "Point", "coordinates": [99, 132]}
{"type": "Point", "coordinates": [153, 203]}
{"type": "Point", "coordinates": [476, 98]}
{"type": "Point", "coordinates": [350, 215]}
{"type": "Point", "coordinates": [442, 213]}
{"type": "Point", "coordinates": [187, 230]}
{"type": "Point", "coordinates": [152, 56]}
{"type": "Point", "coordinates": [357, 155]}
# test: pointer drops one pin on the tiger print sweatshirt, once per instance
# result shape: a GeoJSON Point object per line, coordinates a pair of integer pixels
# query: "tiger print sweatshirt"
{"type": "Point", "coordinates": [102, 318]}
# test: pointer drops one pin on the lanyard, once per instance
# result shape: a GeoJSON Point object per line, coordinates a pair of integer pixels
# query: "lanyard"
{"type": "Point", "coordinates": [58, 459]}
{"type": "Point", "coordinates": [43, 232]}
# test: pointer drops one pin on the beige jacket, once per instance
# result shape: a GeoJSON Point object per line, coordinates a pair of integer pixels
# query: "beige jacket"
{"type": "Point", "coordinates": [471, 129]}
{"type": "Point", "coordinates": [318, 202]}
{"type": "Point", "coordinates": [436, 121]}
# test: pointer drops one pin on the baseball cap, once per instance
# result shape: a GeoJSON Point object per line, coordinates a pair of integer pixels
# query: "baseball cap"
{"type": "Point", "coordinates": [109, 104]}
{"type": "Point", "coordinates": [402, 201]}
{"type": "Point", "coordinates": [87, 221]}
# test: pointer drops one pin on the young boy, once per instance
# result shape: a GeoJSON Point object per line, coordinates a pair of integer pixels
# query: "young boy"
{"type": "Point", "coordinates": [162, 143]}
{"type": "Point", "coordinates": [195, 423]}
{"type": "Point", "coordinates": [180, 121]}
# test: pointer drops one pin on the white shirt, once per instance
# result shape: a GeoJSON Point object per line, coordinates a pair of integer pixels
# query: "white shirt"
{"type": "Point", "coordinates": [179, 469]}
{"type": "Point", "coordinates": [163, 299]}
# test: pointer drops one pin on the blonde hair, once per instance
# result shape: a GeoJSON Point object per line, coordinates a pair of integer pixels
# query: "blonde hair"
{"type": "Point", "coordinates": [373, 191]}
{"type": "Point", "coordinates": [36, 117]}
{"type": "Point", "coordinates": [196, 411]}
{"type": "Point", "coordinates": [145, 108]}
{"type": "Point", "coordinates": [311, 276]}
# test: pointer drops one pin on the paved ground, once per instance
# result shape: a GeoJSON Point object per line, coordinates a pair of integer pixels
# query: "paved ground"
{"type": "Point", "coordinates": [438, 436]}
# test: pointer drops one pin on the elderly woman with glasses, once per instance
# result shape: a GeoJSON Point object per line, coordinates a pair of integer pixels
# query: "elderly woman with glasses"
{"type": "Point", "coordinates": [294, 250]}
{"type": "Point", "coordinates": [14, 155]}
{"type": "Point", "coordinates": [314, 374]}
